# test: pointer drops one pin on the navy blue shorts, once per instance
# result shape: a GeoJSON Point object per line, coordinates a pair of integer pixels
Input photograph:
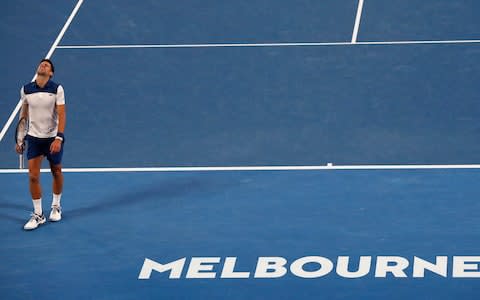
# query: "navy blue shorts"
{"type": "Point", "coordinates": [41, 146]}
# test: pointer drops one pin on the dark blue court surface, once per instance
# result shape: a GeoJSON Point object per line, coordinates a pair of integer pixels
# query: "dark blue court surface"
{"type": "Point", "coordinates": [411, 104]}
{"type": "Point", "coordinates": [171, 106]}
{"type": "Point", "coordinates": [194, 21]}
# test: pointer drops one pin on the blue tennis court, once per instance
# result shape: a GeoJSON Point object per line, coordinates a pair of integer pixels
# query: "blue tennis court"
{"type": "Point", "coordinates": [263, 150]}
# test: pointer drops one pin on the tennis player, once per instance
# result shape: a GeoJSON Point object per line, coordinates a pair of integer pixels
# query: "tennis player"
{"type": "Point", "coordinates": [43, 102]}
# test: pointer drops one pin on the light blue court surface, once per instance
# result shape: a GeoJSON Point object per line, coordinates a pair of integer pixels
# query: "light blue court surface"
{"type": "Point", "coordinates": [165, 104]}
{"type": "Point", "coordinates": [112, 222]}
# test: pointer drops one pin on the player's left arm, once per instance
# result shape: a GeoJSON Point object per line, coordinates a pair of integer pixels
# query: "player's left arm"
{"type": "Point", "coordinates": [61, 118]}
{"type": "Point", "coordinates": [56, 146]}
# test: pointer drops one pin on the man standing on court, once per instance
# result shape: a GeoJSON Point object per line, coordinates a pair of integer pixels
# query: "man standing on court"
{"type": "Point", "coordinates": [43, 102]}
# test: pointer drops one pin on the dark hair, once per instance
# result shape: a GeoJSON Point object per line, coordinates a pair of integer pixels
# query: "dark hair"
{"type": "Point", "coordinates": [50, 62]}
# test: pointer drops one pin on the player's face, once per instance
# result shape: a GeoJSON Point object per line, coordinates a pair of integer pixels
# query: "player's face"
{"type": "Point", "coordinates": [44, 69]}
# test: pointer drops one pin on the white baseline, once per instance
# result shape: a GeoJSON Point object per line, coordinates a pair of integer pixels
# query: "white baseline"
{"type": "Point", "coordinates": [252, 168]}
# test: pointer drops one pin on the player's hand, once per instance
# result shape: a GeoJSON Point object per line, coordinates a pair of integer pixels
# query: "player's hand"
{"type": "Point", "coordinates": [55, 146]}
{"type": "Point", "coordinates": [19, 148]}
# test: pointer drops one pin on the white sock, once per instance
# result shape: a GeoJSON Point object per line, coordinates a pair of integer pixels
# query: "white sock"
{"type": "Point", "coordinates": [56, 199]}
{"type": "Point", "coordinates": [37, 206]}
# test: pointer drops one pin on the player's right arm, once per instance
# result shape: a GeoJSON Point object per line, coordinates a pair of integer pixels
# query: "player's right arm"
{"type": "Point", "coordinates": [23, 114]}
{"type": "Point", "coordinates": [24, 109]}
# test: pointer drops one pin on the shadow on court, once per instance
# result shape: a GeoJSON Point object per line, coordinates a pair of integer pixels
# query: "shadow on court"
{"type": "Point", "coordinates": [5, 205]}
{"type": "Point", "coordinates": [16, 217]}
{"type": "Point", "coordinates": [169, 192]}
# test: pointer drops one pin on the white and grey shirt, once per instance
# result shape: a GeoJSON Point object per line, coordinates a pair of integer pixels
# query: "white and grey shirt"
{"type": "Point", "coordinates": [42, 112]}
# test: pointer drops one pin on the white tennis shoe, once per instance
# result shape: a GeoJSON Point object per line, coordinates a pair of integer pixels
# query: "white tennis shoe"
{"type": "Point", "coordinates": [34, 221]}
{"type": "Point", "coordinates": [55, 214]}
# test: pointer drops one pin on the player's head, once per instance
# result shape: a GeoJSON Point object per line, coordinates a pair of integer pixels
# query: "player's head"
{"type": "Point", "coordinates": [45, 68]}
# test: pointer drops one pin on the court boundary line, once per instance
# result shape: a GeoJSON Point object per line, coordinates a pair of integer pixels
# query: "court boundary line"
{"type": "Point", "coordinates": [49, 54]}
{"type": "Point", "coordinates": [299, 44]}
{"type": "Point", "coordinates": [252, 168]}
{"type": "Point", "coordinates": [356, 27]}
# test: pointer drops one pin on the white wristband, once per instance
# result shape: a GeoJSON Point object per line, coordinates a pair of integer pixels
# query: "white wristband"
{"type": "Point", "coordinates": [59, 138]}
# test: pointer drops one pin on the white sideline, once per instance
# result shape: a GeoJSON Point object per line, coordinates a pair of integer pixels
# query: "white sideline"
{"type": "Point", "coordinates": [357, 21]}
{"type": "Point", "coordinates": [49, 54]}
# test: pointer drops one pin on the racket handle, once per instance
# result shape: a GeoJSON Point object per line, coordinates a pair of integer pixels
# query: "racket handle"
{"type": "Point", "coordinates": [21, 163]}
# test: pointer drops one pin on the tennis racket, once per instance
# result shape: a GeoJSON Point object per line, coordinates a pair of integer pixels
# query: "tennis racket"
{"type": "Point", "coordinates": [20, 134]}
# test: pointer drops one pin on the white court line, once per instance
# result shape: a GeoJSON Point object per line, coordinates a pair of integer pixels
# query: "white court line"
{"type": "Point", "coordinates": [266, 44]}
{"type": "Point", "coordinates": [251, 168]}
{"type": "Point", "coordinates": [357, 21]}
{"type": "Point", "coordinates": [49, 54]}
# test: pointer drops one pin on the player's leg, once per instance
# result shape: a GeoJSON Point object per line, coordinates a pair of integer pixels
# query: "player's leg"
{"type": "Point", "coordinates": [37, 217]}
{"type": "Point", "coordinates": [34, 165]}
{"type": "Point", "coordinates": [55, 160]}
{"type": "Point", "coordinates": [57, 174]}
{"type": "Point", "coordinates": [57, 188]}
